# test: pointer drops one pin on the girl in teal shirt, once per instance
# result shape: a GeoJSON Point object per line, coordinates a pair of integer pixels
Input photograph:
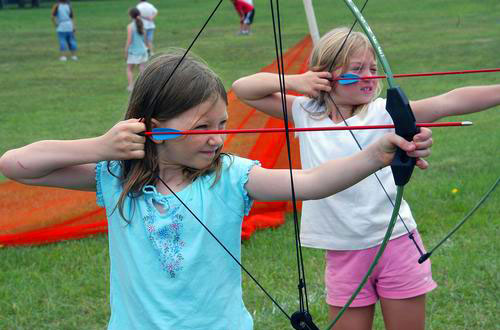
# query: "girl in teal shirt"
{"type": "Point", "coordinates": [136, 52]}
{"type": "Point", "coordinates": [167, 271]}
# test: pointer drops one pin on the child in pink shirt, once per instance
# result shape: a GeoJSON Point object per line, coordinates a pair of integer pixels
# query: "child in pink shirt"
{"type": "Point", "coordinates": [246, 12]}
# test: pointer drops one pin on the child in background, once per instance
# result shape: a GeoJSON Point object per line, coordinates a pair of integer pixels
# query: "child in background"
{"type": "Point", "coordinates": [148, 15]}
{"type": "Point", "coordinates": [167, 272]}
{"type": "Point", "coordinates": [246, 11]}
{"type": "Point", "coordinates": [135, 47]}
{"type": "Point", "coordinates": [63, 19]}
{"type": "Point", "coordinates": [350, 225]}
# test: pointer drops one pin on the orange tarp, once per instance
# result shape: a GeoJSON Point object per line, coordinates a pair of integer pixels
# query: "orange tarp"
{"type": "Point", "coordinates": [40, 215]}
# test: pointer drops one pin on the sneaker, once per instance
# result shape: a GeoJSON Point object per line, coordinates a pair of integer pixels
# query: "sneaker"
{"type": "Point", "coordinates": [74, 58]}
{"type": "Point", "coordinates": [63, 58]}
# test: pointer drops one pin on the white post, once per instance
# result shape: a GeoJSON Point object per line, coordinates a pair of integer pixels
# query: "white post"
{"type": "Point", "coordinates": [311, 21]}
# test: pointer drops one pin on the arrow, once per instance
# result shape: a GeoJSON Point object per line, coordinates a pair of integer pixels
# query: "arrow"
{"type": "Point", "coordinates": [352, 78]}
{"type": "Point", "coordinates": [171, 133]}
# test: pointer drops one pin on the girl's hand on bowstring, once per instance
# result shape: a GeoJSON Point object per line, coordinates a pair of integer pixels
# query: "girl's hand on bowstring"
{"type": "Point", "coordinates": [123, 141]}
{"type": "Point", "coordinates": [385, 147]}
{"type": "Point", "coordinates": [310, 83]}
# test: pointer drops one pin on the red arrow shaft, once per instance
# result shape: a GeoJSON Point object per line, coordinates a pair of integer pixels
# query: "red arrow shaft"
{"type": "Point", "coordinates": [423, 74]}
{"type": "Point", "coordinates": [309, 129]}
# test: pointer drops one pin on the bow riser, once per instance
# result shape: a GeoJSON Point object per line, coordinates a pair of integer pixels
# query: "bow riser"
{"type": "Point", "coordinates": [400, 111]}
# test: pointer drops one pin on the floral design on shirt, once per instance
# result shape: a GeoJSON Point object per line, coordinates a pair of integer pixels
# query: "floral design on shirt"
{"type": "Point", "coordinates": [165, 234]}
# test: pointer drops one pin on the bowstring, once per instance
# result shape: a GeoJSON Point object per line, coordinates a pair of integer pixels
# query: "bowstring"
{"type": "Point", "coordinates": [461, 222]}
{"type": "Point", "coordinates": [157, 96]}
{"type": "Point", "coordinates": [396, 204]}
{"type": "Point", "coordinates": [154, 100]}
{"type": "Point", "coordinates": [302, 286]}
{"type": "Point", "coordinates": [345, 40]}
{"type": "Point", "coordinates": [410, 234]}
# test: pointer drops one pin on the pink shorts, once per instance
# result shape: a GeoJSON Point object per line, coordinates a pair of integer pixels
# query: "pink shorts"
{"type": "Point", "coordinates": [398, 275]}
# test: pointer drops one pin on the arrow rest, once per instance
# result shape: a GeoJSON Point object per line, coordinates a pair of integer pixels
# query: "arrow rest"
{"type": "Point", "coordinates": [303, 321]}
{"type": "Point", "coordinates": [399, 109]}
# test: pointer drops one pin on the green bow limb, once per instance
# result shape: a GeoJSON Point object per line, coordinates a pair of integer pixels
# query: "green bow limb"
{"type": "Point", "coordinates": [400, 188]}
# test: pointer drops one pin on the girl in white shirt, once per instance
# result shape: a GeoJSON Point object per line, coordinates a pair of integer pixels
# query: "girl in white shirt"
{"type": "Point", "coordinates": [350, 225]}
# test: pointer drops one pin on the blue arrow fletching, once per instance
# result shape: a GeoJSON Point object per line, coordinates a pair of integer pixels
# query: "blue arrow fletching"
{"type": "Point", "coordinates": [354, 78]}
{"type": "Point", "coordinates": [161, 137]}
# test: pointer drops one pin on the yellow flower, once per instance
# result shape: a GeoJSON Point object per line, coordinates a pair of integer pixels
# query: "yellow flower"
{"type": "Point", "coordinates": [454, 190]}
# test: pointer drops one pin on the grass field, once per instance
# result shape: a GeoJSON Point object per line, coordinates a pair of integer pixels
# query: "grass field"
{"type": "Point", "coordinates": [65, 285]}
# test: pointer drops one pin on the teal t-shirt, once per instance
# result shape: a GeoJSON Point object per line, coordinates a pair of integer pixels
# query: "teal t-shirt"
{"type": "Point", "coordinates": [137, 46]}
{"type": "Point", "coordinates": [167, 271]}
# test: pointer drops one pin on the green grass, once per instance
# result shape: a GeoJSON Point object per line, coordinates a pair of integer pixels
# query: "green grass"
{"type": "Point", "coordinates": [65, 285]}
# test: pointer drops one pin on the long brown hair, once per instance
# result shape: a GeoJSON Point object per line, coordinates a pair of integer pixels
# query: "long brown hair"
{"type": "Point", "coordinates": [135, 14]}
{"type": "Point", "coordinates": [192, 83]}
{"type": "Point", "coordinates": [324, 52]}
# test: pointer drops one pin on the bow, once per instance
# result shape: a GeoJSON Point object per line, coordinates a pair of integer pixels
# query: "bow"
{"type": "Point", "coordinates": [301, 319]}
{"type": "Point", "coordinates": [402, 166]}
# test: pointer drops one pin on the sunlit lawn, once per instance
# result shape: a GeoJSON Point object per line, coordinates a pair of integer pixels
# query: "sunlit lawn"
{"type": "Point", "coordinates": [65, 285]}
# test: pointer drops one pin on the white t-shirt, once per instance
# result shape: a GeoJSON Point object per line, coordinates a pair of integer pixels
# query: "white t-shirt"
{"type": "Point", "coordinates": [355, 218]}
{"type": "Point", "coordinates": [147, 10]}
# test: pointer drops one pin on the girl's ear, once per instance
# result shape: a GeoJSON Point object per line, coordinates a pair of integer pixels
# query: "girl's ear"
{"type": "Point", "coordinates": [155, 123]}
